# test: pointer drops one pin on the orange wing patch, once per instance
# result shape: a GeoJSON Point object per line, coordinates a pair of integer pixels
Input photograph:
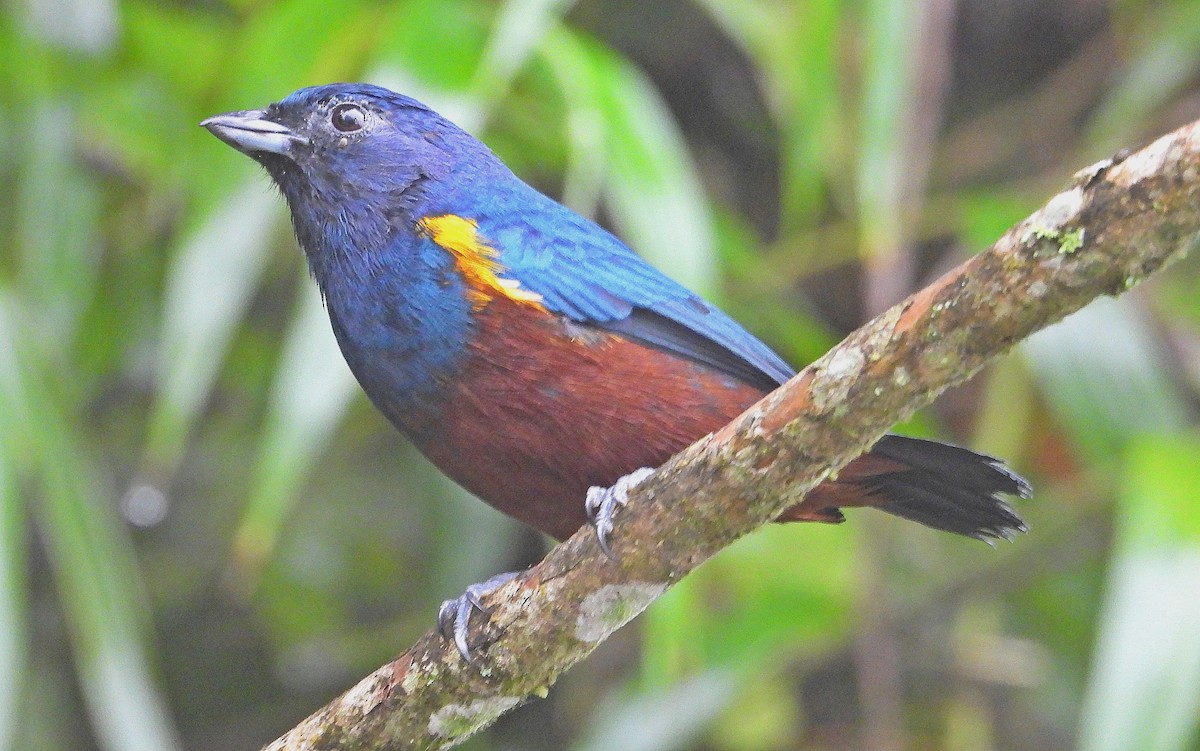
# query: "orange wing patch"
{"type": "Point", "coordinates": [478, 262]}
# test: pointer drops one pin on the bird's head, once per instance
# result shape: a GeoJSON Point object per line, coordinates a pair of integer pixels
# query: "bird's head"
{"type": "Point", "coordinates": [350, 154]}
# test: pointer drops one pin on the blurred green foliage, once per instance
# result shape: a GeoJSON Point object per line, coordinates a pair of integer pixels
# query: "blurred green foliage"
{"type": "Point", "coordinates": [207, 532]}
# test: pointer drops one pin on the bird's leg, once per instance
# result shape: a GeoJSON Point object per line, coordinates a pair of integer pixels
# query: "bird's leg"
{"type": "Point", "coordinates": [602, 505]}
{"type": "Point", "coordinates": [454, 616]}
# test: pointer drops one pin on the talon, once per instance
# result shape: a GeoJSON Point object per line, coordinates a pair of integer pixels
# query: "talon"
{"type": "Point", "coordinates": [454, 616]}
{"type": "Point", "coordinates": [602, 504]}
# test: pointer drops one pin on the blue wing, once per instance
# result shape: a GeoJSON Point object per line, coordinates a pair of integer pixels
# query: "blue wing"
{"type": "Point", "coordinates": [586, 274]}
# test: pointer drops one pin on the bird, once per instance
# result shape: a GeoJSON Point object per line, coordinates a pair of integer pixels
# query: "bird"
{"type": "Point", "coordinates": [526, 351]}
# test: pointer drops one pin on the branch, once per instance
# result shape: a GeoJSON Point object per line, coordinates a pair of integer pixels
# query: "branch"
{"type": "Point", "coordinates": [1118, 222]}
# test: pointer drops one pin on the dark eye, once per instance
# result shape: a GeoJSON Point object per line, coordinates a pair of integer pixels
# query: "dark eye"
{"type": "Point", "coordinates": [348, 117]}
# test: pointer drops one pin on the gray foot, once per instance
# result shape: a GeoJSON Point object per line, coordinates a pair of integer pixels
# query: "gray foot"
{"type": "Point", "coordinates": [454, 616]}
{"type": "Point", "coordinates": [602, 505]}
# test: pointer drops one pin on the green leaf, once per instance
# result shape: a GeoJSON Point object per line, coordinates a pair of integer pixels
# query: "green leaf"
{"type": "Point", "coordinates": [891, 31]}
{"type": "Point", "coordinates": [1158, 500]}
{"type": "Point", "coordinates": [14, 627]}
{"type": "Point", "coordinates": [785, 587]}
{"type": "Point", "coordinates": [796, 49]}
{"type": "Point", "coordinates": [59, 254]}
{"type": "Point", "coordinates": [182, 46]}
{"type": "Point", "coordinates": [519, 28]}
{"type": "Point", "coordinates": [297, 42]}
{"type": "Point", "coordinates": [987, 214]}
{"type": "Point", "coordinates": [1104, 376]}
{"type": "Point", "coordinates": [587, 129]}
{"type": "Point", "coordinates": [661, 720]}
{"type": "Point", "coordinates": [88, 26]}
{"type": "Point", "coordinates": [1162, 58]}
{"type": "Point", "coordinates": [308, 399]}
{"type": "Point", "coordinates": [1144, 690]}
{"type": "Point", "coordinates": [209, 286]}
{"type": "Point", "coordinates": [656, 197]}
{"type": "Point", "coordinates": [438, 69]}
{"type": "Point", "coordinates": [91, 556]}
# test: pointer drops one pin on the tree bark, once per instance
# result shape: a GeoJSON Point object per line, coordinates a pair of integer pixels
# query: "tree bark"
{"type": "Point", "coordinates": [1115, 224]}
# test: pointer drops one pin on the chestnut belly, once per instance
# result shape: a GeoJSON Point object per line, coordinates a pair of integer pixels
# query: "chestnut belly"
{"type": "Point", "coordinates": [542, 409]}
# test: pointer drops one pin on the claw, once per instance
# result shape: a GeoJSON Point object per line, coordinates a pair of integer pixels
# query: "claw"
{"type": "Point", "coordinates": [454, 616]}
{"type": "Point", "coordinates": [602, 504]}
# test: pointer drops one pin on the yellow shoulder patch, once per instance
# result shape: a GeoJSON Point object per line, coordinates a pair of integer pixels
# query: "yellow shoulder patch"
{"type": "Point", "coordinates": [478, 262]}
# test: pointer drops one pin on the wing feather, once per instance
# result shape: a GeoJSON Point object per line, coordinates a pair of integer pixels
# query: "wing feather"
{"type": "Point", "coordinates": [588, 275]}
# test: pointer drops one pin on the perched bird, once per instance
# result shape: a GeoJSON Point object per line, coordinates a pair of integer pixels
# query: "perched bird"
{"type": "Point", "coordinates": [529, 353]}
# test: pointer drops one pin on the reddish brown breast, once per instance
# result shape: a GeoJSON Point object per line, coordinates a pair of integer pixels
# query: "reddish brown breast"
{"type": "Point", "coordinates": [545, 409]}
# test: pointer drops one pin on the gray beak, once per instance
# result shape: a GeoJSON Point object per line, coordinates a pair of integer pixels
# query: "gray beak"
{"type": "Point", "coordinates": [250, 132]}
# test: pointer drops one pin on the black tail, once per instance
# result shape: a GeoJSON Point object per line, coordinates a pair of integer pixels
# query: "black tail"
{"type": "Point", "coordinates": [950, 488]}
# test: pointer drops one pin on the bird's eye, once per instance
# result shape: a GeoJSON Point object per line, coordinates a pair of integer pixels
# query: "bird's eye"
{"type": "Point", "coordinates": [348, 117]}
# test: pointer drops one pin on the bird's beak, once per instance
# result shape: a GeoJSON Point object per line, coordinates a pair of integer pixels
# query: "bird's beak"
{"type": "Point", "coordinates": [249, 131]}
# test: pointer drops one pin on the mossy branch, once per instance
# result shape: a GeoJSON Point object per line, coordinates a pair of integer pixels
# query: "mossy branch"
{"type": "Point", "coordinates": [1118, 222]}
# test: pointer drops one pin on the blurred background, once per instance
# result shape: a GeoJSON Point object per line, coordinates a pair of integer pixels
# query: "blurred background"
{"type": "Point", "coordinates": [207, 532]}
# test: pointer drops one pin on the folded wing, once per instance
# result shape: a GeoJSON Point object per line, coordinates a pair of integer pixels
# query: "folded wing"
{"type": "Point", "coordinates": [589, 276]}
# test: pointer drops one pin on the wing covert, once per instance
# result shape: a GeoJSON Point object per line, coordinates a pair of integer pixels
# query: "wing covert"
{"type": "Point", "coordinates": [588, 275]}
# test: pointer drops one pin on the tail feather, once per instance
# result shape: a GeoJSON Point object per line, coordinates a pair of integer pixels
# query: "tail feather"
{"type": "Point", "coordinates": [941, 486]}
{"type": "Point", "coordinates": [949, 488]}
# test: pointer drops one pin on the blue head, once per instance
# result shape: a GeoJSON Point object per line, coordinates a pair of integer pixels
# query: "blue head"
{"type": "Point", "coordinates": [358, 165]}
{"type": "Point", "coordinates": [354, 161]}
